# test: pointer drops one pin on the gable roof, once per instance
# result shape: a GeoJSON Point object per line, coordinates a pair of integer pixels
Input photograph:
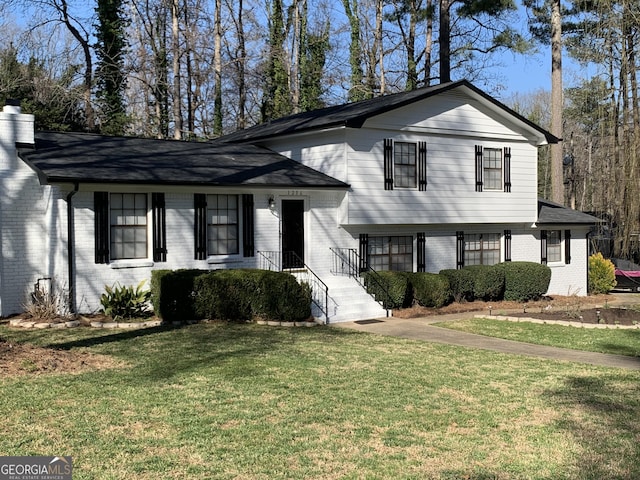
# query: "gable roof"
{"type": "Point", "coordinates": [550, 213]}
{"type": "Point", "coordinates": [90, 158]}
{"type": "Point", "coordinates": [355, 114]}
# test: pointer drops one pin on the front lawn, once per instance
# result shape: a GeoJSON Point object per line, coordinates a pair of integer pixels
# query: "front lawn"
{"type": "Point", "coordinates": [609, 340]}
{"type": "Point", "coordinates": [255, 402]}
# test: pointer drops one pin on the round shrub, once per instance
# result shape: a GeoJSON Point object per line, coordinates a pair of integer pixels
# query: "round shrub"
{"type": "Point", "coordinates": [430, 289]}
{"type": "Point", "coordinates": [391, 288]}
{"type": "Point", "coordinates": [488, 282]}
{"type": "Point", "coordinates": [602, 274]}
{"type": "Point", "coordinates": [524, 281]}
{"type": "Point", "coordinates": [460, 283]}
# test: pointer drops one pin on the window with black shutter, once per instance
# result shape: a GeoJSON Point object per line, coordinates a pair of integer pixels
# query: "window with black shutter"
{"type": "Point", "coordinates": [478, 168]}
{"type": "Point", "coordinates": [422, 166]}
{"type": "Point", "coordinates": [159, 227]}
{"type": "Point", "coordinates": [364, 252]}
{"type": "Point", "coordinates": [507, 245]}
{"type": "Point", "coordinates": [543, 247]}
{"type": "Point", "coordinates": [459, 250]}
{"type": "Point", "coordinates": [101, 207]}
{"type": "Point", "coordinates": [200, 226]}
{"type": "Point", "coordinates": [388, 164]}
{"type": "Point", "coordinates": [248, 246]}
{"type": "Point", "coordinates": [422, 247]}
{"type": "Point", "coordinates": [507, 169]}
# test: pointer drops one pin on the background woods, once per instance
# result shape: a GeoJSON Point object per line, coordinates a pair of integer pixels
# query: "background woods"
{"type": "Point", "coordinates": [196, 69]}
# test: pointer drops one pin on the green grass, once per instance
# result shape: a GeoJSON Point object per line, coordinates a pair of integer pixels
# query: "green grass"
{"type": "Point", "coordinates": [610, 340]}
{"type": "Point", "coordinates": [255, 402]}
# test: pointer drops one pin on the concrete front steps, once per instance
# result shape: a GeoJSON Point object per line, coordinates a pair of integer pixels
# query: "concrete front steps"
{"type": "Point", "coordinates": [348, 301]}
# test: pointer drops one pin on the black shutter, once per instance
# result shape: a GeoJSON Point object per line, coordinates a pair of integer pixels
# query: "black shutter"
{"type": "Point", "coordinates": [364, 252]}
{"type": "Point", "coordinates": [507, 245]}
{"type": "Point", "coordinates": [101, 207]}
{"type": "Point", "coordinates": [388, 164]}
{"type": "Point", "coordinates": [459, 250]}
{"type": "Point", "coordinates": [567, 247]}
{"type": "Point", "coordinates": [422, 244]}
{"type": "Point", "coordinates": [248, 247]}
{"type": "Point", "coordinates": [507, 169]}
{"type": "Point", "coordinates": [200, 226]}
{"type": "Point", "coordinates": [543, 247]}
{"type": "Point", "coordinates": [478, 168]}
{"type": "Point", "coordinates": [422, 166]}
{"type": "Point", "coordinates": [158, 213]}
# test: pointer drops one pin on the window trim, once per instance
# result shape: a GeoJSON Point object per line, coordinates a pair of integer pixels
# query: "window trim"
{"type": "Point", "coordinates": [420, 165]}
{"type": "Point", "coordinates": [481, 240]}
{"type": "Point", "coordinates": [544, 245]}
{"type": "Point", "coordinates": [505, 167]}
{"type": "Point", "coordinates": [145, 227]}
{"type": "Point", "coordinates": [409, 240]}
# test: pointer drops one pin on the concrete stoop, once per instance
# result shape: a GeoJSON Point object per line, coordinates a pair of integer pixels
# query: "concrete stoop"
{"type": "Point", "coordinates": [348, 301]}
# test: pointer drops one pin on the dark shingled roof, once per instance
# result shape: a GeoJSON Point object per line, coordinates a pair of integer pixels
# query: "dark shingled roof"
{"type": "Point", "coordinates": [90, 158]}
{"type": "Point", "coordinates": [550, 213]}
{"type": "Point", "coordinates": [355, 114]}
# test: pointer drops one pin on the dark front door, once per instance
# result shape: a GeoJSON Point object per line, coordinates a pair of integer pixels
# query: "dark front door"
{"type": "Point", "coordinates": [292, 233]}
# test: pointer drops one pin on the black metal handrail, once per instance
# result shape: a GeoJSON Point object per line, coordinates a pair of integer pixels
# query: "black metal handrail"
{"type": "Point", "coordinates": [272, 260]}
{"type": "Point", "coordinates": [346, 261]}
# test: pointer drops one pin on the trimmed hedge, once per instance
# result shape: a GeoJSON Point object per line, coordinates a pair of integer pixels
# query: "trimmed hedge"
{"type": "Point", "coordinates": [236, 295]}
{"type": "Point", "coordinates": [173, 294]}
{"type": "Point", "coordinates": [396, 284]}
{"type": "Point", "coordinates": [524, 281]}
{"type": "Point", "coordinates": [488, 281]}
{"type": "Point", "coordinates": [430, 289]}
{"type": "Point", "coordinates": [460, 283]}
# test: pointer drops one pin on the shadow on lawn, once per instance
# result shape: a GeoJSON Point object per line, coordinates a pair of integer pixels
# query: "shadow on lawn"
{"type": "Point", "coordinates": [160, 353]}
{"type": "Point", "coordinates": [602, 416]}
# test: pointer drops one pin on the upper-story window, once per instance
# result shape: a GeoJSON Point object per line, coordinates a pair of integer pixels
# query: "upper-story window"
{"type": "Point", "coordinates": [493, 169]}
{"type": "Point", "coordinates": [405, 165]}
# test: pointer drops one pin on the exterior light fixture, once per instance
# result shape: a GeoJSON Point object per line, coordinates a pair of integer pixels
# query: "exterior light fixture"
{"type": "Point", "coordinates": [272, 202]}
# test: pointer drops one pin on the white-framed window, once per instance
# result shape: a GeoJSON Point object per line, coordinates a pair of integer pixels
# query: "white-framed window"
{"type": "Point", "coordinates": [404, 165]}
{"type": "Point", "coordinates": [492, 168]}
{"type": "Point", "coordinates": [481, 249]}
{"type": "Point", "coordinates": [128, 233]}
{"type": "Point", "coordinates": [554, 246]}
{"type": "Point", "coordinates": [391, 253]}
{"type": "Point", "coordinates": [223, 225]}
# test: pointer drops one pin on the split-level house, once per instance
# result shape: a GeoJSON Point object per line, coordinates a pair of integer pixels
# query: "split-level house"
{"type": "Point", "coordinates": [432, 179]}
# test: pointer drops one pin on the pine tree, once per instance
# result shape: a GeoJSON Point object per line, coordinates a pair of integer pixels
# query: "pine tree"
{"type": "Point", "coordinates": [111, 81]}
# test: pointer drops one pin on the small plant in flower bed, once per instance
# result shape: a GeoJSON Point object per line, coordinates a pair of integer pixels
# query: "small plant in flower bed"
{"type": "Point", "coordinates": [122, 302]}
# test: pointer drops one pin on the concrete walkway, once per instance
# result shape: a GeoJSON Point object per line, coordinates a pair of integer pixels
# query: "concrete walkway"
{"type": "Point", "coordinates": [422, 329]}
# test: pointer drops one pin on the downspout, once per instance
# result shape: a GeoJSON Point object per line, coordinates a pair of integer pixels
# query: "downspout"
{"type": "Point", "coordinates": [70, 251]}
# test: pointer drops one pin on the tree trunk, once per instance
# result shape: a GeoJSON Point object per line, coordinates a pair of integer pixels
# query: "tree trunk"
{"type": "Point", "coordinates": [175, 47]}
{"type": "Point", "coordinates": [557, 185]}
{"type": "Point", "coordinates": [444, 38]}
{"type": "Point", "coordinates": [217, 70]}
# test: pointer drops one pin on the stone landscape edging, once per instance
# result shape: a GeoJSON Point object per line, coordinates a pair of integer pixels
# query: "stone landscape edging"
{"type": "Point", "coordinates": [565, 323]}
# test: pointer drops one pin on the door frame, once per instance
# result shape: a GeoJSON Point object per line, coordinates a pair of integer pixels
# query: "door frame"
{"type": "Point", "coordinates": [302, 203]}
